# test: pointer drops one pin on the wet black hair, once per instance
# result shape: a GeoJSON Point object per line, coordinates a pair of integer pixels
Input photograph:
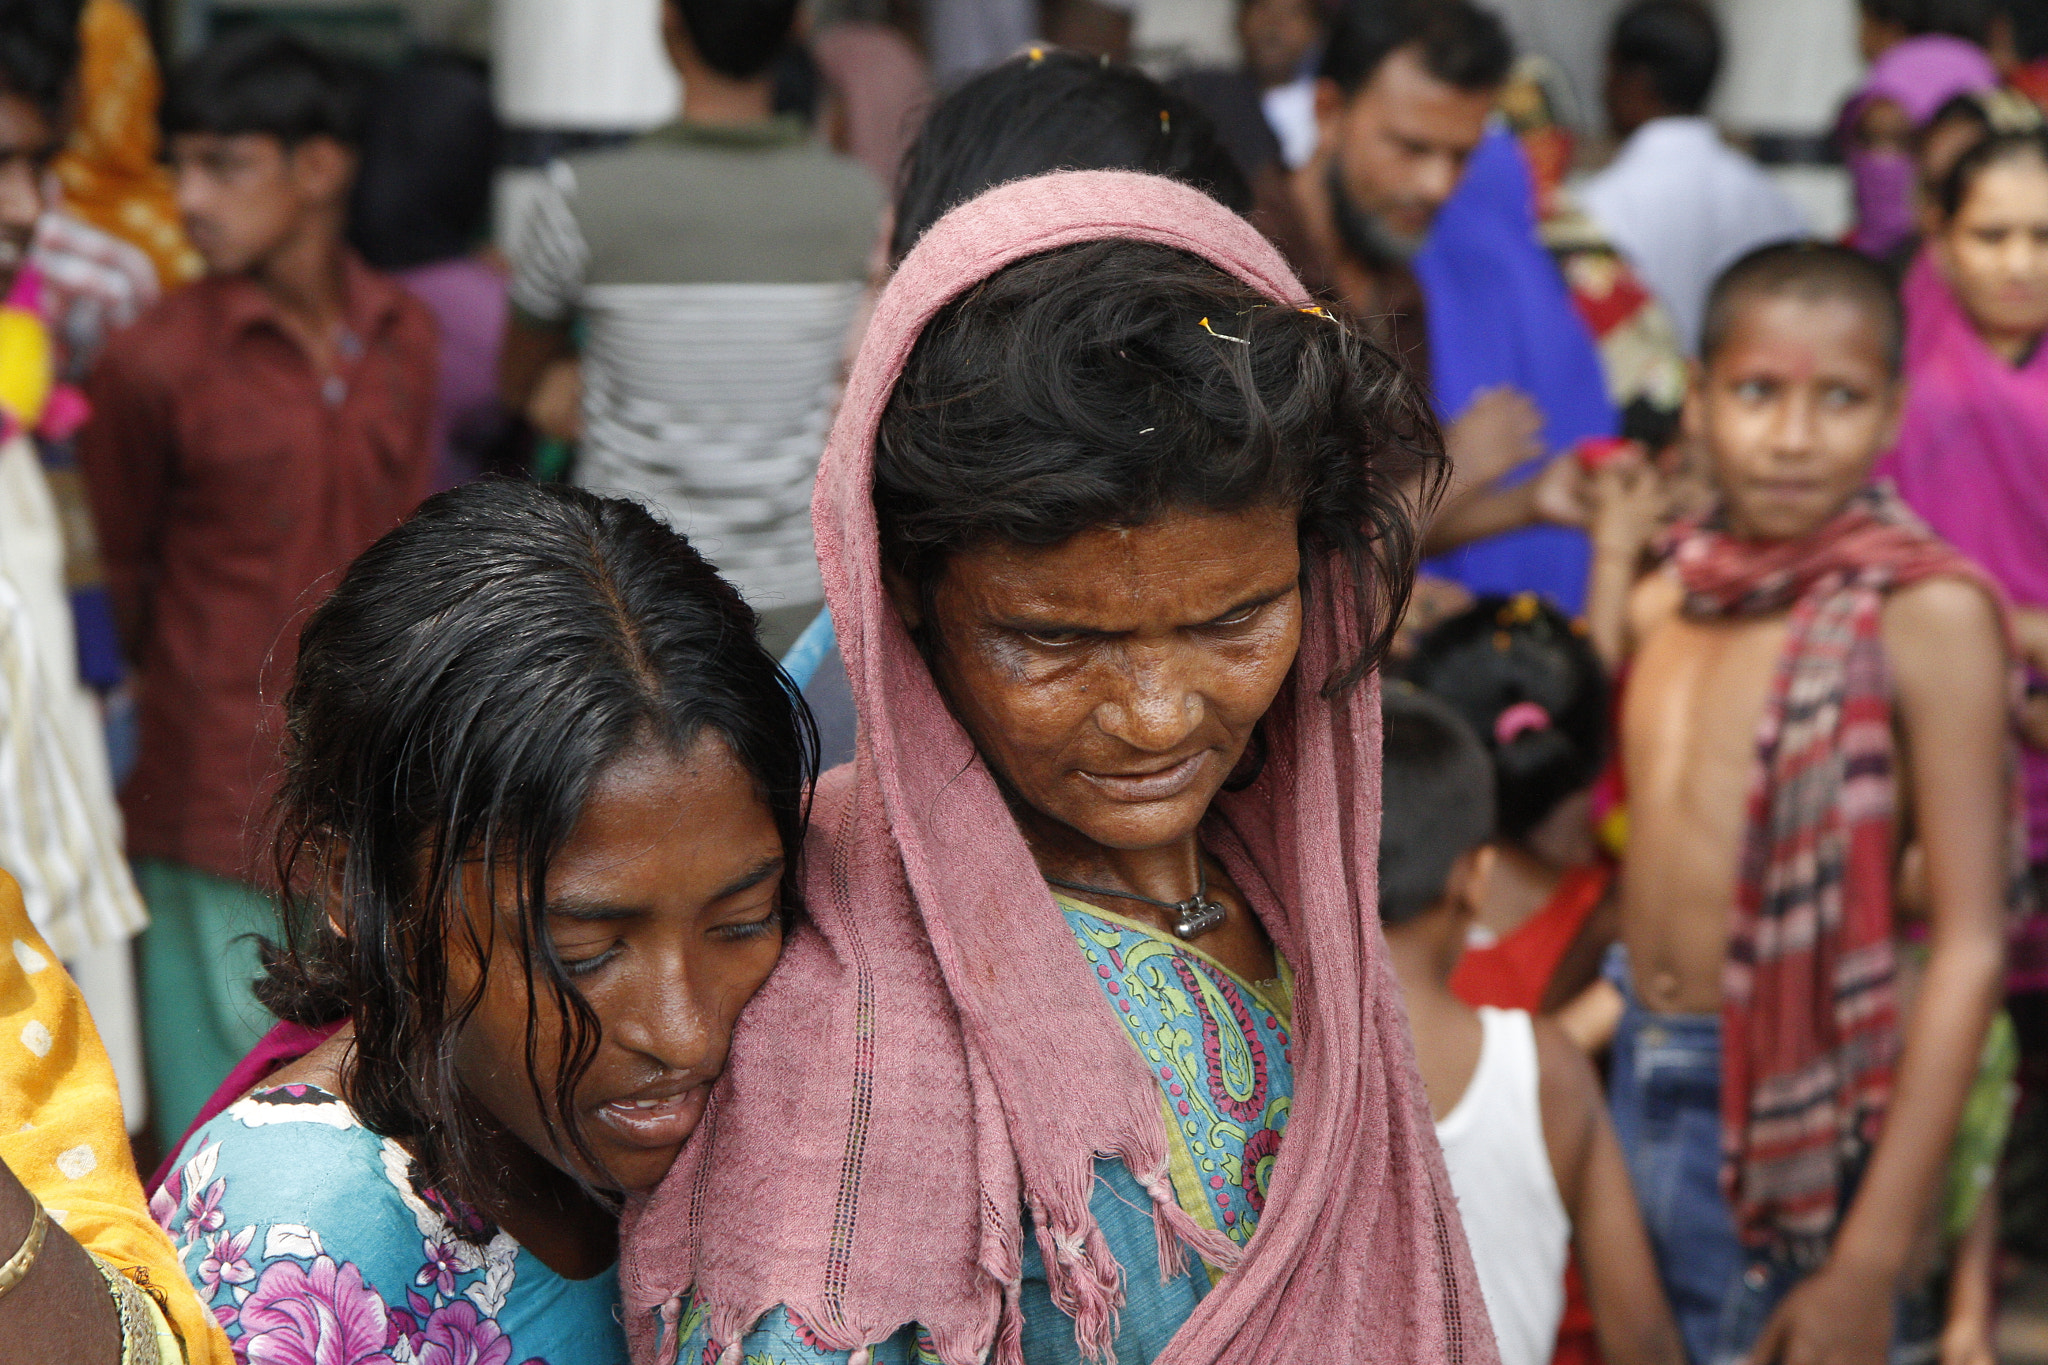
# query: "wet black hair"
{"type": "Point", "coordinates": [2029, 22]}
{"type": "Point", "coordinates": [39, 46]}
{"type": "Point", "coordinates": [1994, 150]}
{"type": "Point", "coordinates": [1110, 382]}
{"type": "Point", "coordinates": [1051, 110]}
{"type": "Point", "coordinates": [1504, 651]}
{"type": "Point", "coordinates": [737, 38]}
{"type": "Point", "coordinates": [475, 672]}
{"type": "Point", "coordinates": [1677, 42]}
{"type": "Point", "coordinates": [1967, 19]}
{"type": "Point", "coordinates": [429, 154]}
{"type": "Point", "coordinates": [263, 80]}
{"type": "Point", "coordinates": [1436, 800]}
{"type": "Point", "coordinates": [1461, 44]}
{"type": "Point", "coordinates": [1811, 271]}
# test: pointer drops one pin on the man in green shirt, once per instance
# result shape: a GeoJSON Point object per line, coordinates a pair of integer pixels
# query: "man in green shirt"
{"type": "Point", "coordinates": [715, 267]}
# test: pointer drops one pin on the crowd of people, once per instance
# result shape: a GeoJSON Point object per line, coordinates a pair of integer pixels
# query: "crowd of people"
{"type": "Point", "coordinates": [995, 708]}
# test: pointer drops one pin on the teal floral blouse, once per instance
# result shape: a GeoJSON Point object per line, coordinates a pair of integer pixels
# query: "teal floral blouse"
{"type": "Point", "coordinates": [310, 1239]}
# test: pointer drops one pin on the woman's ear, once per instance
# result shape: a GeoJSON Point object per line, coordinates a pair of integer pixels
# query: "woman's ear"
{"type": "Point", "coordinates": [904, 598]}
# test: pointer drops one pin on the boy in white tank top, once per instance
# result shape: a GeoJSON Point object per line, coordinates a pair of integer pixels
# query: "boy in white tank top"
{"type": "Point", "coordinates": [1532, 1156]}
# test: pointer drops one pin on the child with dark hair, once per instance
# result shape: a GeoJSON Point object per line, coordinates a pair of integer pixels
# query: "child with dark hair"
{"type": "Point", "coordinates": [713, 270]}
{"type": "Point", "coordinates": [1052, 110]}
{"type": "Point", "coordinates": [543, 800]}
{"type": "Point", "coordinates": [1532, 1156]}
{"type": "Point", "coordinates": [249, 436]}
{"type": "Point", "coordinates": [1817, 681]}
{"type": "Point", "coordinates": [1677, 200]}
{"type": "Point", "coordinates": [1525, 678]}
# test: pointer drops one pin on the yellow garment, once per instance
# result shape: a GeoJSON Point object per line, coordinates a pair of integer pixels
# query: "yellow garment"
{"type": "Point", "coordinates": [61, 1130]}
{"type": "Point", "coordinates": [110, 169]}
{"type": "Point", "coordinates": [26, 366]}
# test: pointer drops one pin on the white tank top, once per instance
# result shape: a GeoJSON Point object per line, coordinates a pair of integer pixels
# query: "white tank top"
{"type": "Point", "coordinates": [1507, 1193]}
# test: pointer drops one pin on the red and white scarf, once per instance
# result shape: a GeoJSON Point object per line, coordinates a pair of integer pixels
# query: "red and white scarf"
{"type": "Point", "coordinates": [1809, 1009]}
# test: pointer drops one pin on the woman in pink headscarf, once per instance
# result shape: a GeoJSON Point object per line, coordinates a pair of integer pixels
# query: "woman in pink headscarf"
{"type": "Point", "coordinates": [1908, 83]}
{"type": "Point", "coordinates": [1972, 456]}
{"type": "Point", "coordinates": [1088, 1044]}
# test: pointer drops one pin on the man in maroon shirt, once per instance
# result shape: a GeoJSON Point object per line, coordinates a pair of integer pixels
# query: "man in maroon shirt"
{"type": "Point", "coordinates": [250, 436]}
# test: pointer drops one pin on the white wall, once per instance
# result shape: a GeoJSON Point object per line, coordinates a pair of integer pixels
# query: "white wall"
{"type": "Point", "coordinates": [582, 64]}
{"type": "Point", "coordinates": [1789, 64]}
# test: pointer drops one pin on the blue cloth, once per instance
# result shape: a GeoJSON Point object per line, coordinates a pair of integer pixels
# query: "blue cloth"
{"type": "Point", "coordinates": [815, 665]}
{"type": "Point", "coordinates": [1221, 1052]}
{"type": "Point", "coordinates": [810, 649]}
{"type": "Point", "coordinates": [310, 1240]}
{"type": "Point", "coordinates": [1664, 1086]}
{"type": "Point", "coordinates": [1499, 312]}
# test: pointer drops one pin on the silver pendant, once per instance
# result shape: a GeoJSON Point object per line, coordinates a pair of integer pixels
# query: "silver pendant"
{"type": "Point", "coordinates": [1196, 916]}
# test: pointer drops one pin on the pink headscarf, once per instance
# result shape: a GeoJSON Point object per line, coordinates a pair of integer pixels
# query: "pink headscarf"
{"type": "Point", "coordinates": [931, 1056]}
{"type": "Point", "coordinates": [1919, 75]}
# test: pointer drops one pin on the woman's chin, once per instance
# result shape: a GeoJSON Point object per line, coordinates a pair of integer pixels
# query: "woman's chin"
{"type": "Point", "coordinates": [637, 1171]}
{"type": "Point", "coordinates": [1135, 827]}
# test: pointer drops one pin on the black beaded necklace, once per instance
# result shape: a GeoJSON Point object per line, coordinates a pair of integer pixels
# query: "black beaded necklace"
{"type": "Point", "coordinates": [1193, 917]}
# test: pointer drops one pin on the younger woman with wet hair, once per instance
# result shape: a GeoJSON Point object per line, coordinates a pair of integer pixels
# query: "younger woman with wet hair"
{"type": "Point", "coordinates": [1114, 526]}
{"type": "Point", "coordinates": [1526, 679]}
{"type": "Point", "coordinates": [543, 790]}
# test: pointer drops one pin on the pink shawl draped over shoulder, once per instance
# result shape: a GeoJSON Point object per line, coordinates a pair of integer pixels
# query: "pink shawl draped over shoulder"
{"type": "Point", "coordinates": [930, 1058]}
{"type": "Point", "coordinates": [1972, 460]}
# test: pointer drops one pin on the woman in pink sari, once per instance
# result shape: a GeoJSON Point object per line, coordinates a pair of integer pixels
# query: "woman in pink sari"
{"type": "Point", "coordinates": [1972, 456]}
{"type": "Point", "coordinates": [1088, 1045]}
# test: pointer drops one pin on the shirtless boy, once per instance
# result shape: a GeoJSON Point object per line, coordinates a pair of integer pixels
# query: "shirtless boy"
{"type": "Point", "coordinates": [1756, 895]}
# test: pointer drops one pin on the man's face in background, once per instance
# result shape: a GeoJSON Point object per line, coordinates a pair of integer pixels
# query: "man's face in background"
{"type": "Point", "coordinates": [1400, 144]}
{"type": "Point", "coordinates": [28, 139]}
{"type": "Point", "coordinates": [1277, 37]}
{"type": "Point", "coordinates": [245, 196]}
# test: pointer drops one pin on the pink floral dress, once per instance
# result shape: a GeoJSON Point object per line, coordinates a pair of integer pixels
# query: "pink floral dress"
{"type": "Point", "coordinates": [310, 1240]}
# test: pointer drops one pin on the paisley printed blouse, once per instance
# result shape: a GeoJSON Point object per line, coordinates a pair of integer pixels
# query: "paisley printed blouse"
{"type": "Point", "coordinates": [309, 1239]}
{"type": "Point", "coordinates": [1220, 1049]}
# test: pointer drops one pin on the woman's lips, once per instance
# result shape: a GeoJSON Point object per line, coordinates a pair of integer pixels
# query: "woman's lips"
{"type": "Point", "coordinates": [1161, 784]}
{"type": "Point", "coordinates": [667, 1121]}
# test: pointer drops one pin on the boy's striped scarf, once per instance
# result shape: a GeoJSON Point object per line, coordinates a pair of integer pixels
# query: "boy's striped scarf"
{"type": "Point", "coordinates": [1810, 1027]}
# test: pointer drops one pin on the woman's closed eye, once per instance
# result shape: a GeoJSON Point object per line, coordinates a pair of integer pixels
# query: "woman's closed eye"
{"type": "Point", "coordinates": [745, 930]}
{"type": "Point", "coordinates": [590, 964]}
{"type": "Point", "coordinates": [1055, 639]}
{"type": "Point", "coordinates": [1242, 616]}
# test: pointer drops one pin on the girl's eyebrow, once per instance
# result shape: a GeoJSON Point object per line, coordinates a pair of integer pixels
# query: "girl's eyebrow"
{"type": "Point", "coordinates": [751, 878]}
{"type": "Point", "coordinates": [591, 912]}
{"type": "Point", "coordinates": [594, 911]}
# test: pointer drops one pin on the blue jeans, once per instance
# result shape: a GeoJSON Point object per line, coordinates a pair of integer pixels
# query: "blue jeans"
{"type": "Point", "coordinates": [1664, 1086]}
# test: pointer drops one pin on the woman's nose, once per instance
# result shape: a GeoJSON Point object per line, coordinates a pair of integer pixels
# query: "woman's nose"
{"type": "Point", "coordinates": [1156, 705]}
{"type": "Point", "coordinates": [675, 1024]}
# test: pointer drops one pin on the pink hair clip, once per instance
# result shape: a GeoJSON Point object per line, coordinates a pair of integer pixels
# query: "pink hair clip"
{"type": "Point", "coordinates": [1517, 721]}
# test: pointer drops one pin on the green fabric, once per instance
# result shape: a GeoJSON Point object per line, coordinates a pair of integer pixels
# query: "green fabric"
{"type": "Point", "coordinates": [1985, 1125]}
{"type": "Point", "coordinates": [197, 958]}
{"type": "Point", "coordinates": [735, 205]}
{"type": "Point", "coordinates": [783, 130]}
